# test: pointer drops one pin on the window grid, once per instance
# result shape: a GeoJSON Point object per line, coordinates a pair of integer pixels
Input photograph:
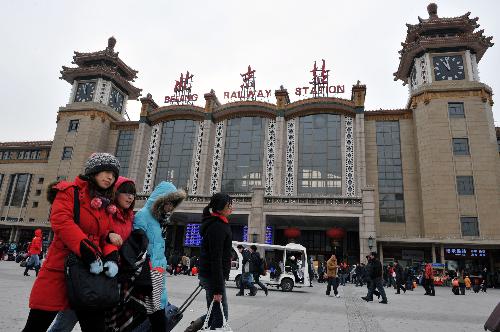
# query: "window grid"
{"type": "Point", "coordinates": [243, 153]}
{"type": "Point", "coordinates": [390, 174]}
{"type": "Point", "coordinates": [73, 125]}
{"type": "Point", "coordinates": [67, 153]}
{"type": "Point", "coordinates": [456, 110]}
{"type": "Point", "coordinates": [176, 152]}
{"type": "Point", "coordinates": [320, 158]}
{"type": "Point", "coordinates": [124, 149]}
{"type": "Point", "coordinates": [461, 146]}
{"type": "Point", "coordinates": [465, 185]}
{"type": "Point", "coordinates": [470, 226]}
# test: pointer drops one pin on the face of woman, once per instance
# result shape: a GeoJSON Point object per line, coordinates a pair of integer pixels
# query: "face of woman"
{"type": "Point", "coordinates": [228, 210]}
{"type": "Point", "coordinates": [125, 200]}
{"type": "Point", "coordinates": [105, 179]}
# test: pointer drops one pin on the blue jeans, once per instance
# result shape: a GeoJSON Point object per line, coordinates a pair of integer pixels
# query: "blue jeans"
{"type": "Point", "coordinates": [216, 316]}
{"type": "Point", "coordinates": [65, 321]}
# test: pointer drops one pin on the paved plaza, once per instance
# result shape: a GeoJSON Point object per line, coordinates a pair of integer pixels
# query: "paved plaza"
{"type": "Point", "coordinates": [306, 309]}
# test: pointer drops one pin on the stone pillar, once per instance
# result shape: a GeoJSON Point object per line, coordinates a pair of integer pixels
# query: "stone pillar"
{"type": "Point", "coordinates": [51, 236]}
{"type": "Point", "coordinates": [367, 222]}
{"type": "Point", "coordinates": [17, 235]}
{"type": "Point", "coordinates": [13, 232]}
{"type": "Point", "coordinates": [282, 99]}
{"type": "Point", "coordinates": [433, 252]}
{"type": "Point", "coordinates": [381, 252]}
{"type": "Point", "coordinates": [441, 253]}
{"type": "Point", "coordinates": [256, 222]}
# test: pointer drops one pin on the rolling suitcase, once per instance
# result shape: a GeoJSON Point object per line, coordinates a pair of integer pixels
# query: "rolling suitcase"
{"type": "Point", "coordinates": [173, 315]}
{"type": "Point", "coordinates": [493, 322]}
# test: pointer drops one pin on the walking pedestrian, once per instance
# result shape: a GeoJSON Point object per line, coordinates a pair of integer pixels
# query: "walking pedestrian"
{"type": "Point", "coordinates": [153, 219]}
{"type": "Point", "coordinates": [246, 279]}
{"type": "Point", "coordinates": [398, 269]}
{"type": "Point", "coordinates": [429, 280]}
{"type": "Point", "coordinates": [331, 273]}
{"type": "Point", "coordinates": [215, 258]}
{"type": "Point", "coordinates": [375, 279]}
{"type": "Point", "coordinates": [257, 267]}
{"type": "Point", "coordinates": [88, 240]}
{"type": "Point", "coordinates": [34, 250]}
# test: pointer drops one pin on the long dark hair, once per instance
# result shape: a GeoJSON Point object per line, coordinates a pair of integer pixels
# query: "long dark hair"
{"type": "Point", "coordinates": [95, 190]}
{"type": "Point", "coordinates": [126, 188]}
{"type": "Point", "coordinates": [217, 203]}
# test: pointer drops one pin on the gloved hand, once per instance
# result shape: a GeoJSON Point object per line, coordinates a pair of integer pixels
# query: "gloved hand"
{"type": "Point", "coordinates": [89, 252]}
{"type": "Point", "coordinates": [111, 269]}
{"type": "Point", "coordinates": [96, 266]}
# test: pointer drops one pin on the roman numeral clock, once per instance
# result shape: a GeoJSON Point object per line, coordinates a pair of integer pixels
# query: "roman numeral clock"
{"type": "Point", "coordinates": [448, 67]}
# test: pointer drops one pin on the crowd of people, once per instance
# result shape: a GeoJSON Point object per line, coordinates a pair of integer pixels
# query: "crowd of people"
{"type": "Point", "coordinates": [98, 238]}
{"type": "Point", "coordinates": [94, 224]}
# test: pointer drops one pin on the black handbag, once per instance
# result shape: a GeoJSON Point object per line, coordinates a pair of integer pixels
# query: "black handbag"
{"type": "Point", "coordinates": [86, 290]}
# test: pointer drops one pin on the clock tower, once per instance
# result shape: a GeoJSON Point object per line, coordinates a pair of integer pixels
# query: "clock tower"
{"type": "Point", "coordinates": [101, 85]}
{"type": "Point", "coordinates": [455, 140]}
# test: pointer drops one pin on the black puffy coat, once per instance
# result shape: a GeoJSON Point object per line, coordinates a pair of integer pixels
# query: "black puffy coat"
{"type": "Point", "coordinates": [215, 255]}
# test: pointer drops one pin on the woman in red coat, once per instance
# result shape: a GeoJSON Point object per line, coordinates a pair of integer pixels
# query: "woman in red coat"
{"type": "Point", "coordinates": [34, 250]}
{"type": "Point", "coordinates": [89, 240]}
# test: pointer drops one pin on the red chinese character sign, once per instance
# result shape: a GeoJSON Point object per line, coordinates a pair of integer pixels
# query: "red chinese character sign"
{"type": "Point", "coordinates": [182, 91]}
{"type": "Point", "coordinates": [320, 85]}
{"type": "Point", "coordinates": [248, 90]}
{"type": "Point", "coordinates": [248, 86]}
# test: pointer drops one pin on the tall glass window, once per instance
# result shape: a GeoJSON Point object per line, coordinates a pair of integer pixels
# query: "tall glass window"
{"type": "Point", "coordinates": [176, 152]}
{"type": "Point", "coordinates": [18, 186]}
{"type": "Point", "coordinates": [320, 158]}
{"type": "Point", "coordinates": [243, 153]}
{"type": "Point", "coordinates": [124, 149]}
{"type": "Point", "coordinates": [390, 174]}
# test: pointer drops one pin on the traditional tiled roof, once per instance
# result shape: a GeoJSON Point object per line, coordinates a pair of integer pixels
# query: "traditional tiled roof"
{"type": "Point", "coordinates": [103, 63]}
{"type": "Point", "coordinates": [438, 33]}
{"type": "Point", "coordinates": [30, 144]}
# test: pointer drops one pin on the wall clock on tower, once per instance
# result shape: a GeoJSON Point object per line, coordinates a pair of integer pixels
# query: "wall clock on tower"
{"type": "Point", "coordinates": [448, 67]}
{"type": "Point", "coordinates": [85, 91]}
{"type": "Point", "coordinates": [116, 100]}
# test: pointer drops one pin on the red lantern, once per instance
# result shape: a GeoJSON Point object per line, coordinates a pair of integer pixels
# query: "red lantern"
{"type": "Point", "coordinates": [292, 232]}
{"type": "Point", "coordinates": [336, 233]}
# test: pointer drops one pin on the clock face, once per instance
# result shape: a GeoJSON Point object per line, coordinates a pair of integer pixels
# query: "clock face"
{"type": "Point", "coordinates": [448, 67]}
{"type": "Point", "coordinates": [85, 91]}
{"type": "Point", "coordinates": [116, 100]}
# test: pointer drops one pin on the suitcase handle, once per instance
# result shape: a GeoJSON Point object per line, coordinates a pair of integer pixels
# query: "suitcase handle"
{"type": "Point", "coordinates": [190, 299]}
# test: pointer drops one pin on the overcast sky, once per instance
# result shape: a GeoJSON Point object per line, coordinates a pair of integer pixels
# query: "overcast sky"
{"type": "Point", "coordinates": [216, 41]}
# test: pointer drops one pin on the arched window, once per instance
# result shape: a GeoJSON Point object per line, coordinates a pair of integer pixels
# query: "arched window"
{"type": "Point", "coordinates": [243, 154]}
{"type": "Point", "coordinates": [320, 159]}
{"type": "Point", "coordinates": [176, 152]}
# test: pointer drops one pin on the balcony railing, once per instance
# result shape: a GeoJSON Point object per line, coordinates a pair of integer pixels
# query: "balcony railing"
{"type": "Point", "coordinates": [353, 201]}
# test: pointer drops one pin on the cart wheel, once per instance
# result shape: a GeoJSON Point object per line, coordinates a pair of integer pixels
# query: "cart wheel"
{"type": "Point", "coordinates": [286, 285]}
{"type": "Point", "coordinates": [238, 281]}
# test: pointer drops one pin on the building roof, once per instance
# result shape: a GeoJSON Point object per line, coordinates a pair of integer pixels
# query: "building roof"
{"type": "Point", "coordinates": [103, 63]}
{"type": "Point", "coordinates": [440, 33]}
{"type": "Point", "coordinates": [29, 144]}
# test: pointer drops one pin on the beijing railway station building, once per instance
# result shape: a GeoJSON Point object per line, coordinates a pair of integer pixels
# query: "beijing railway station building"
{"type": "Point", "coordinates": [417, 183]}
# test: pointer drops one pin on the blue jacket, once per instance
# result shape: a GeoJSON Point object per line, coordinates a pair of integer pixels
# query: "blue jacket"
{"type": "Point", "coordinates": [147, 220]}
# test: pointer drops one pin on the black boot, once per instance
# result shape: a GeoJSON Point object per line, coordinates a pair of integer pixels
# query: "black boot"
{"type": "Point", "coordinates": [195, 325]}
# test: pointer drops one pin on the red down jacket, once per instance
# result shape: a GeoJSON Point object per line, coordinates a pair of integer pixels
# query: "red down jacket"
{"type": "Point", "coordinates": [35, 247]}
{"type": "Point", "coordinates": [49, 290]}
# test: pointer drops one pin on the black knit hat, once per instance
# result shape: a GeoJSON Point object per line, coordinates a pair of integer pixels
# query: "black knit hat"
{"type": "Point", "coordinates": [100, 161]}
{"type": "Point", "coordinates": [219, 200]}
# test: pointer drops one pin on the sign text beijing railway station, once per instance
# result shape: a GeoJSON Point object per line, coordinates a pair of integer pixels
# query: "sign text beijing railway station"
{"type": "Point", "coordinates": [319, 86]}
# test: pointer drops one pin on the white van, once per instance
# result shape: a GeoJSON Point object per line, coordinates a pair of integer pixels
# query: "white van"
{"type": "Point", "coordinates": [279, 272]}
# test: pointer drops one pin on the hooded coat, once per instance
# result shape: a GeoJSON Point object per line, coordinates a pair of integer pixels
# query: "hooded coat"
{"type": "Point", "coordinates": [148, 218]}
{"type": "Point", "coordinates": [36, 244]}
{"type": "Point", "coordinates": [49, 290]}
{"type": "Point", "coordinates": [331, 267]}
{"type": "Point", "coordinates": [122, 221]}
